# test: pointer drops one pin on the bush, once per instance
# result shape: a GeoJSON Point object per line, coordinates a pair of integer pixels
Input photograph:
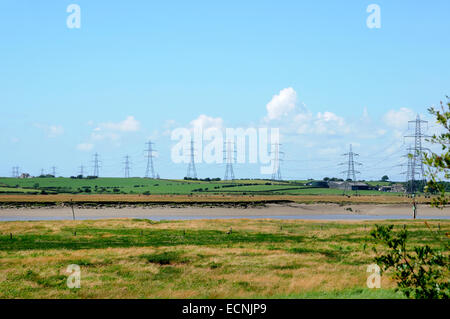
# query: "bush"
{"type": "Point", "coordinates": [421, 273]}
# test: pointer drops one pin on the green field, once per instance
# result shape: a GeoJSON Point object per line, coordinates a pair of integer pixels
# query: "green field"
{"type": "Point", "coordinates": [166, 187]}
{"type": "Point", "coordinates": [196, 259]}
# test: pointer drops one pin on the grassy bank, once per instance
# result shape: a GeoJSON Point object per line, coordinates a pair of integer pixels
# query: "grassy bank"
{"type": "Point", "coordinates": [146, 186]}
{"type": "Point", "coordinates": [193, 259]}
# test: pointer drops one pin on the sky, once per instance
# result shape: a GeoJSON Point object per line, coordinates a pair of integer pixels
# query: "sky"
{"type": "Point", "coordinates": [137, 70]}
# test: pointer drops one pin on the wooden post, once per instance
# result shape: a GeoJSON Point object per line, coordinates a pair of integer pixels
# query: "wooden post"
{"type": "Point", "coordinates": [73, 212]}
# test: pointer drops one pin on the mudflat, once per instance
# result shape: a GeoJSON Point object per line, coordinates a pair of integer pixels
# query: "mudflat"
{"type": "Point", "coordinates": [268, 210]}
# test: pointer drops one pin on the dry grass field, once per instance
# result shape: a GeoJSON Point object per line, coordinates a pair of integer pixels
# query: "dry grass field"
{"type": "Point", "coordinates": [132, 258]}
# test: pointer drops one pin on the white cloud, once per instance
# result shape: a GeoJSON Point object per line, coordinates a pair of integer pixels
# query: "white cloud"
{"type": "Point", "coordinates": [329, 123]}
{"type": "Point", "coordinates": [206, 122]}
{"type": "Point", "coordinates": [51, 130]}
{"type": "Point", "coordinates": [130, 124]}
{"type": "Point", "coordinates": [281, 104]}
{"type": "Point", "coordinates": [398, 119]}
{"type": "Point", "coordinates": [329, 151]}
{"type": "Point", "coordinates": [111, 130]}
{"type": "Point", "coordinates": [283, 110]}
{"type": "Point", "coordinates": [168, 126]}
{"type": "Point", "coordinates": [55, 130]}
{"type": "Point", "coordinates": [99, 136]}
{"type": "Point", "coordinates": [323, 123]}
{"type": "Point", "coordinates": [85, 147]}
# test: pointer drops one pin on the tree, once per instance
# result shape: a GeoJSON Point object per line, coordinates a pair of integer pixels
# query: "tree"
{"type": "Point", "coordinates": [420, 272]}
{"type": "Point", "coordinates": [385, 178]}
{"type": "Point", "coordinates": [438, 165]}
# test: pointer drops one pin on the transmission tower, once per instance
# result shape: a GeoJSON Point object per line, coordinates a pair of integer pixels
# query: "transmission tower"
{"type": "Point", "coordinates": [15, 172]}
{"type": "Point", "coordinates": [150, 171]}
{"type": "Point", "coordinates": [276, 173]}
{"type": "Point", "coordinates": [415, 168]}
{"type": "Point", "coordinates": [191, 171]}
{"type": "Point", "coordinates": [42, 172]}
{"type": "Point", "coordinates": [54, 171]}
{"type": "Point", "coordinates": [96, 165]}
{"type": "Point", "coordinates": [410, 179]}
{"type": "Point", "coordinates": [229, 155]}
{"type": "Point", "coordinates": [127, 166]}
{"type": "Point", "coordinates": [351, 172]}
{"type": "Point", "coordinates": [81, 170]}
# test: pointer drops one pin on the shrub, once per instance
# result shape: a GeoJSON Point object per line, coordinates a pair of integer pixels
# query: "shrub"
{"type": "Point", "coordinates": [421, 273]}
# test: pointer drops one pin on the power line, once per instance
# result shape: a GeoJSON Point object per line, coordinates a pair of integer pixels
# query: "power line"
{"type": "Point", "coordinates": [415, 159]}
{"type": "Point", "coordinates": [15, 172]}
{"type": "Point", "coordinates": [96, 166]}
{"type": "Point", "coordinates": [351, 172]}
{"type": "Point", "coordinates": [409, 171]}
{"type": "Point", "coordinates": [81, 170]}
{"type": "Point", "coordinates": [276, 173]}
{"type": "Point", "coordinates": [127, 166]}
{"type": "Point", "coordinates": [149, 171]}
{"type": "Point", "coordinates": [229, 157]}
{"type": "Point", "coordinates": [191, 171]}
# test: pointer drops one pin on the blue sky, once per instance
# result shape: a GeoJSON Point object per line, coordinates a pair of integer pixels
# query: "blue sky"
{"type": "Point", "coordinates": [137, 69]}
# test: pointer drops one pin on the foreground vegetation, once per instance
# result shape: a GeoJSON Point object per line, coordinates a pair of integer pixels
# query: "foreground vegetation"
{"type": "Point", "coordinates": [196, 259]}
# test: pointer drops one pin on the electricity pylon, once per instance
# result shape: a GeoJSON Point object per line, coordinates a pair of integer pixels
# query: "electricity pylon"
{"type": "Point", "coordinates": [81, 170]}
{"type": "Point", "coordinates": [229, 154]}
{"type": "Point", "coordinates": [191, 171]}
{"type": "Point", "coordinates": [150, 171]}
{"type": "Point", "coordinates": [351, 172]}
{"type": "Point", "coordinates": [127, 166]}
{"type": "Point", "coordinates": [276, 173]}
{"type": "Point", "coordinates": [15, 171]}
{"type": "Point", "coordinates": [415, 168]}
{"type": "Point", "coordinates": [96, 165]}
{"type": "Point", "coordinates": [410, 179]}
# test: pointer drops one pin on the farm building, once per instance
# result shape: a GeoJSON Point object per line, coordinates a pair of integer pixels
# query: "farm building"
{"type": "Point", "coordinates": [349, 185]}
{"type": "Point", "coordinates": [321, 184]}
{"type": "Point", "coordinates": [396, 188]}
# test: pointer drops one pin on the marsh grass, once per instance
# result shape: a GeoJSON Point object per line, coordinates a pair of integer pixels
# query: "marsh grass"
{"type": "Point", "coordinates": [133, 258]}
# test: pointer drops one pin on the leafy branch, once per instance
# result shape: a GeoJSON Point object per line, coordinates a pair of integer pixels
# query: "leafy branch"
{"type": "Point", "coordinates": [420, 273]}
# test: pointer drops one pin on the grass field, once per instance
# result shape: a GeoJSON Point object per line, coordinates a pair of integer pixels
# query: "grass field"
{"type": "Point", "coordinates": [164, 187]}
{"type": "Point", "coordinates": [195, 259]}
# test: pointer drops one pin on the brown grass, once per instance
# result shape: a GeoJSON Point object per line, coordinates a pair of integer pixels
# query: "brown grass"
{"type": "Point", "coordinates": [238, 270]}
{"type": "Point", "coordinates": [164, 199]}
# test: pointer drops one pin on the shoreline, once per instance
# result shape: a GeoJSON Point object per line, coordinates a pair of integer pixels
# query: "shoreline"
{"type": "Point", "coordinates": [285, 210]}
